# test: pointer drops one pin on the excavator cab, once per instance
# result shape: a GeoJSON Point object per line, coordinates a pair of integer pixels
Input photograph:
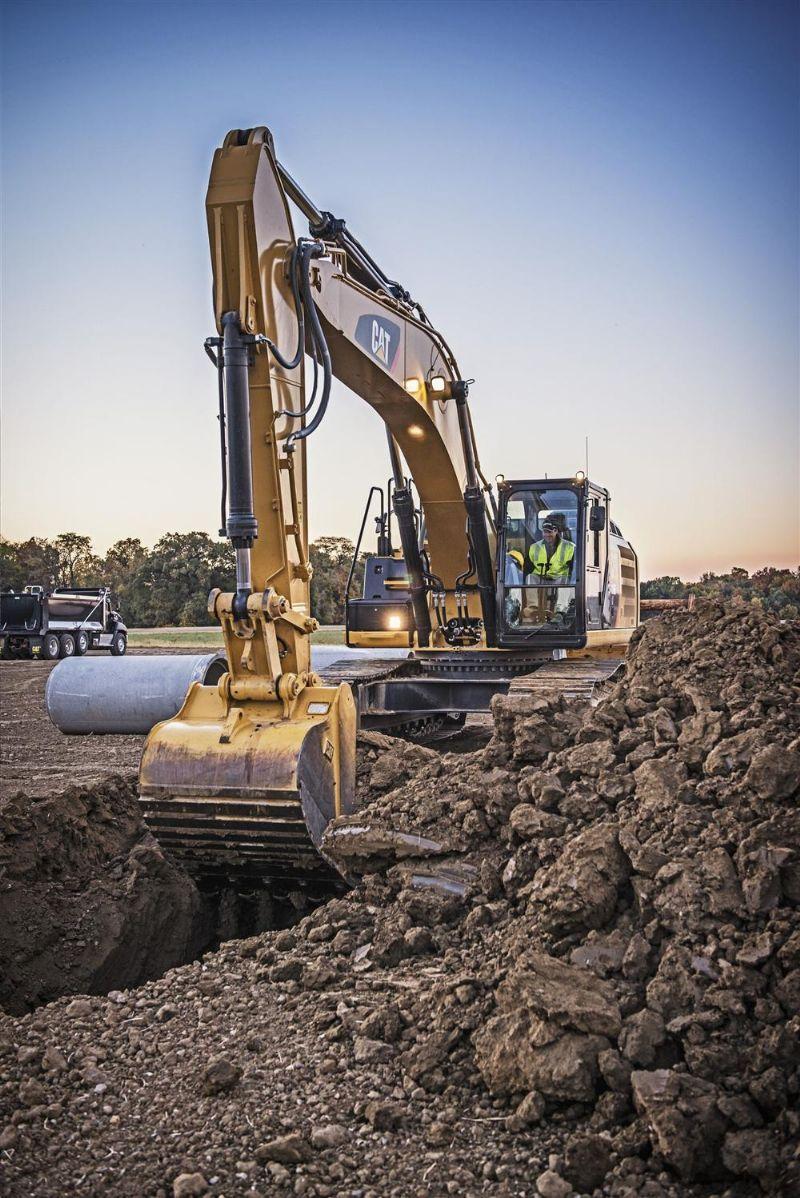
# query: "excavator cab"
{"type": "Point", "coordinates": [539, 563]}
{"type": "Point", "coordinates": [566, 577]}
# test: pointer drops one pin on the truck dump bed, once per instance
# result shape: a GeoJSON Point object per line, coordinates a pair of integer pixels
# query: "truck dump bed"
{"type": "Point", "coordinates": [20, 613]}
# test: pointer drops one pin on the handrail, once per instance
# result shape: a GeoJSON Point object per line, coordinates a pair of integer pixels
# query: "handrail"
{"type": "Point", "coordinates": [356, 552]}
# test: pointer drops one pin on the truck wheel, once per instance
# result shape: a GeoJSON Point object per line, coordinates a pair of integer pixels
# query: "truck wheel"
{"type": "Point", "coordinates": [119, 644]}
{"type": "Point", "coordinates": [51, 646]}
{"type": "Point", "coordinates": [81, 643]}
{"type": "Point", "coordinates": [67, 646]}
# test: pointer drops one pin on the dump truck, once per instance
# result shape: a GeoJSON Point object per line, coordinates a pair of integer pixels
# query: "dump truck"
{"type": "Point", "coordinates": [64, 622]}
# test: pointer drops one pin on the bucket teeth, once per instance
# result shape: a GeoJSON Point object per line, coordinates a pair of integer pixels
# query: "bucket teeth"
{"type": "Point", "coordinates": [265, 839]}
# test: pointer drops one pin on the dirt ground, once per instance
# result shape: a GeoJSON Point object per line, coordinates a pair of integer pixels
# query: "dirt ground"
{"type": "Point", "coordinates": [34, 756]}
{"type": "Point", "coordinates": [571, 965]}
{"type": "Point", "coordinates": [88, 900]}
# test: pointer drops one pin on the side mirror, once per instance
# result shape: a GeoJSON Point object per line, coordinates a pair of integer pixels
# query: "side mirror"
{"type": "Point", "coordinates": [597, 517]}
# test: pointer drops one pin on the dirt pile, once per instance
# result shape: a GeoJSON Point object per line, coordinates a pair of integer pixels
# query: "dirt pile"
{"type": "Point", "coordinates": [87, 898]}
{"type": "Point", "coordinates": [572, 962]}
{"type": "Point", "coordinates": [646, 920]}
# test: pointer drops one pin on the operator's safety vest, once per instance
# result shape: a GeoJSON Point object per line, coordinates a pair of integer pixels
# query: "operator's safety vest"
{"type": "Point", "coordinates": [559, 565]}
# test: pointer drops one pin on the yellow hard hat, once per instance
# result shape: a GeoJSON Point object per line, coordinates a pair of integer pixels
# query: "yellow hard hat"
{"type": "Point", "coordinates": [517, 556]}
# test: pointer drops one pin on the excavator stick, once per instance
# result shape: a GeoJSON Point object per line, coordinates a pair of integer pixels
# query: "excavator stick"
{"type": "Point", "coordinates": [242, 782]}
{"type": "Point", "coordinates": [237, 790]}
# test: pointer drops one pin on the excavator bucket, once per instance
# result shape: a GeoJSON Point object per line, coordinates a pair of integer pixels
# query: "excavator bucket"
{"type": "Point", "coordinates": [238, 790]}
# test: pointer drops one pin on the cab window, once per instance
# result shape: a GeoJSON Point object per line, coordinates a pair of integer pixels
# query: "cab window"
{"type": "Point", "coordinates": [540, 560]}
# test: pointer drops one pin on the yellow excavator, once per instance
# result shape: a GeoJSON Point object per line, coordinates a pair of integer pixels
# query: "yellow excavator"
{"type": "Point", "coordinates": [523, 585]}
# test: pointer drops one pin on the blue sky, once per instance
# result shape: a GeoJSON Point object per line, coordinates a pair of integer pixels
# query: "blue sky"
{"type": "Point", "coordinates": [596, 202]}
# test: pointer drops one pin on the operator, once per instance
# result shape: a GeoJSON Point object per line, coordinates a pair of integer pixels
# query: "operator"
{"type": "Point", "coordinates": [552, 558]}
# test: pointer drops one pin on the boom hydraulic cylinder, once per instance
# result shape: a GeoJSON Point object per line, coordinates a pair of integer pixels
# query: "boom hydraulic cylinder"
{"type": "Point", "coordinates": [403, 504]}
{"type": "Point", "coordinates": [241, 524]}
{"type": "Point", "coordinates": [476, 520]}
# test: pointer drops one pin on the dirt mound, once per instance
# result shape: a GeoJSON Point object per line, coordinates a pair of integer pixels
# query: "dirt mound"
{"type": "Point", "coordinates": [572, 961]}
{"type": "Point", "coordinates": [87, 899]}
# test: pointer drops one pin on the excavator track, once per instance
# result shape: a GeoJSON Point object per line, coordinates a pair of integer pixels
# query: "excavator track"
{"type": "Point", "coordinates": [357, 671]}
{"type": "Point", "coordinates": [574, 678]}
{"type": "Point", "coordinates": [360, 673]}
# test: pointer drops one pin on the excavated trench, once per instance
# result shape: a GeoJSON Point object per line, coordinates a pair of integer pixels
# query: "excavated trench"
{"type": "Point", "coordinates": [89, 902]}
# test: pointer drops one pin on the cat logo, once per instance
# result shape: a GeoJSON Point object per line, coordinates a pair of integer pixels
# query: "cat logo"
{"type": "Point", "coordinates": [379, 337]}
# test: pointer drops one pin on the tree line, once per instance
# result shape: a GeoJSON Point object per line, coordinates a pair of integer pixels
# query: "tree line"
{"type": "Point", "coordinates": [770, 588]}
{"type": "Point", "coordinates": [168, 584]}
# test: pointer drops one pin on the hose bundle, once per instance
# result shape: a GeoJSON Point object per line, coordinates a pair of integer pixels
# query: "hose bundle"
{"type": "Point", "coordinates": [306, 310]}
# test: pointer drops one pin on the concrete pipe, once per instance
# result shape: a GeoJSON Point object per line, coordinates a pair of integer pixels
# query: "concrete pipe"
{"type": "Point", "coordinates": [121, 695]}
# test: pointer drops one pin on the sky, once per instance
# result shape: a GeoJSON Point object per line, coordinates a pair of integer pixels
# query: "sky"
{"type": "Point", "coordinates": [596, 203]}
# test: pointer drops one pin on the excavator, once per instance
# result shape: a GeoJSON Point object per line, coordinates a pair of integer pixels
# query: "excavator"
{"type": "Point", "coordinates": [524, 585]}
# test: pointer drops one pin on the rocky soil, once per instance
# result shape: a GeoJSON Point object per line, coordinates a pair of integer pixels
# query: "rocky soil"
{"type": "Point", "coordinates": [570, 963]}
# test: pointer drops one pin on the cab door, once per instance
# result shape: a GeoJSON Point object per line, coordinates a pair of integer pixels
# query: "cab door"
{"type": "Point", "coordinates": [596, 555]}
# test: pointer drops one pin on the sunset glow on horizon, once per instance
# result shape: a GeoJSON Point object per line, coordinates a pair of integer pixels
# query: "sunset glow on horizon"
{"type": "Point", "coordinates": [596, 204]}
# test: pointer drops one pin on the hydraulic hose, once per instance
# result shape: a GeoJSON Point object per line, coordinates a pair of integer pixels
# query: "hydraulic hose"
{"type": "Point", "coordinates": [216, 358]}
{"type": "Point", "coordinates": [222, 448]}
{"type": "Point", "coordinates": [312, 398]}
{"type": "Point", "coordinates": [321, 347]}
{"type": "Point", "coordinates": [301, 255]}
{"type": "Point", "coordinates": [286, 363]}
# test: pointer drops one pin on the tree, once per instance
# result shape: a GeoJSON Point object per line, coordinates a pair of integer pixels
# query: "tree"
{"type": "Point", "coordinates": [769, 588]}
{"type": "Point", "coordinates": [171, 585]}
{"type": "Point", "coordinates": [74, 557]}
{"type": "Point", "coordinates": [34, 562]}
{"type": "Point", "coordinates": [331, 558]}
{"type": "Point", "coordinates": [119, 568]}
{"type": "Point", "coordinates": [123, 558]}
{"type": "Point", "coordinates": [666, 587]}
